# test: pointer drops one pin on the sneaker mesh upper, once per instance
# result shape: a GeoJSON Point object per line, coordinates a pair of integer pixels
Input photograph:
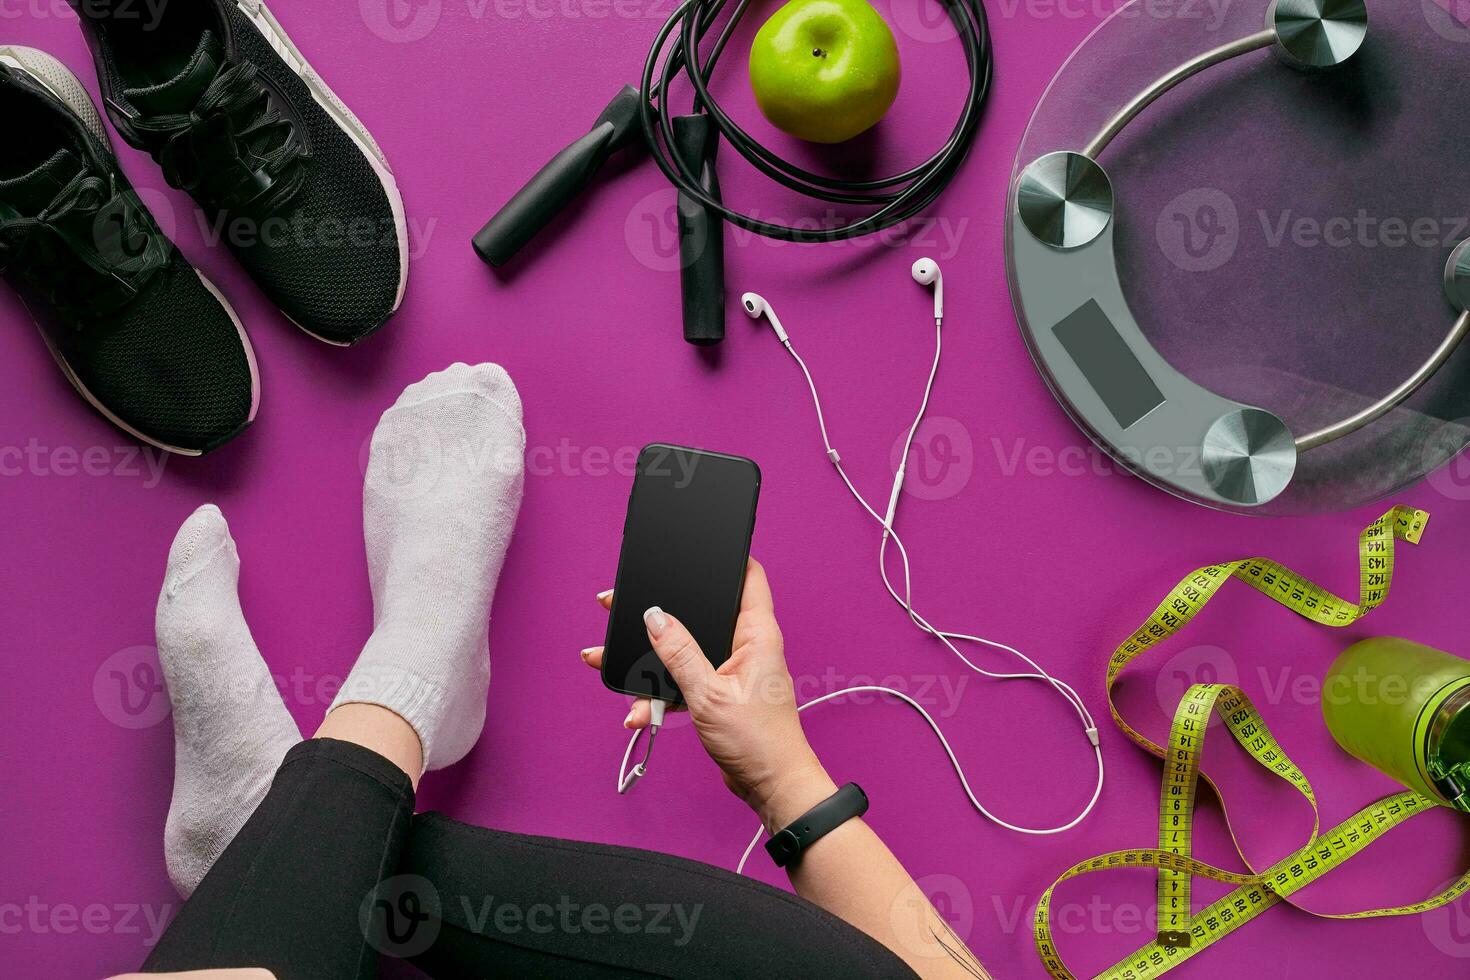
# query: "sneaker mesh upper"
{"type": "Point", "coordinates": [329, 258]}
{"type": "Point", "coordinates": [171, 364]}
{"type": "Point", "coordinates": [341, 290]}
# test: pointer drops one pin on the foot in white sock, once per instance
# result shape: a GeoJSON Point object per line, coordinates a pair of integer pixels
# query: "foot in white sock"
{"type": "Point", "coordinates": [230, 728]}
{"type": "Point", "coordinates": [440, 499]}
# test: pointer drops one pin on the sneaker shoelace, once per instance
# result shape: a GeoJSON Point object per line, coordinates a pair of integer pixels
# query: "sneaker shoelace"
{"type": "Point", "coordinates": [234, 151]}
{"type": "Point", "coordinates": [89, 252]}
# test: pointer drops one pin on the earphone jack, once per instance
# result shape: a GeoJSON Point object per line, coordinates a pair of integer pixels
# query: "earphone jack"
{"type": "Point", "coordinates": [627, 778]}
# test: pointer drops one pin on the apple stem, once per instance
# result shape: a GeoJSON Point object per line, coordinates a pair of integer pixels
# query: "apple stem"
{"type": "Point", "coordinates": [818, 53]}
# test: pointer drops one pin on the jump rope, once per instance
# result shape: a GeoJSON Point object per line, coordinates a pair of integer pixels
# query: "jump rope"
{"type": "Point", "coordinates": [926, 272]}
{"type": "Point", "coordinates": [898, 198]}
{"type": "Point", "coordinates": [685, 147]}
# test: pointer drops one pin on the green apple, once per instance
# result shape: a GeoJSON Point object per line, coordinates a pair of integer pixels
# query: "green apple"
{"type": "Point", "coordinates": [824, 70]}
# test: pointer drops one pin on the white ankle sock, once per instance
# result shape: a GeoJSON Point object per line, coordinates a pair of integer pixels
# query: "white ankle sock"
{"type": "Point", "coordinates": [230, 728]}
{"type": "Point", "coordinates": [439, 502]}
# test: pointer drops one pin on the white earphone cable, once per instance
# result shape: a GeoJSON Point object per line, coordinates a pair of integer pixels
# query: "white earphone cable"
{"type": "Point", "coordinates": [627, 778]}
{"type": "Point", "coordinates": [756, 307]}
{"type": "Point", "coordinates": [905, 600]}
{"type": "Point", "coordinates": [954, 763]}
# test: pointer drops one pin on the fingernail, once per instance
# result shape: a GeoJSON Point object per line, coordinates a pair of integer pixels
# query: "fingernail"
{"type": "Point", "coordinates": [656, 620]}
{"type": "Point", "coordinates": [587, 653]}
{"type": "Point", "coordinates": [603, 595]}
{"type": "Point", "coordinates": [628, 721]}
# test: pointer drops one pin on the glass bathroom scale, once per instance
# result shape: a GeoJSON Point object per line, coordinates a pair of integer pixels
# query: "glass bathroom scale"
{"type": "Point", "coordinates": [1260, 257]}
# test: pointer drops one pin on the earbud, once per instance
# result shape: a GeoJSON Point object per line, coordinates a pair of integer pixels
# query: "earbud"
{"type": "Point", "coordinates": [755, 307]}
{"type": "Point", "coordinates": [926, 273]}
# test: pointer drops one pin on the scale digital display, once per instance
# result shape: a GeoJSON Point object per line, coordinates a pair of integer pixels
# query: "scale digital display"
{"type": "Point", "coordinates": [1108, 363]}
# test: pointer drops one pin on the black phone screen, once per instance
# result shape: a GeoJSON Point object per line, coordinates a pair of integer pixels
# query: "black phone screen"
{"type": "Point", "coordinates": [685, 544]}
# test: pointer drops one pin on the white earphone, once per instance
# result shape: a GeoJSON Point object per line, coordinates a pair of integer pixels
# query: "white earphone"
{"type": "Point", "coordinates": [926, 272]}
{"type": "Point", "coordinates": [756, 307]}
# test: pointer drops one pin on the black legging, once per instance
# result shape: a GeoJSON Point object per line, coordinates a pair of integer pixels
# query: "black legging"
{"type": "Point", "coordinates": [334, 868]}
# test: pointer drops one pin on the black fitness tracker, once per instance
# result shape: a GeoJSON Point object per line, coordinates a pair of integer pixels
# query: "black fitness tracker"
{"type": "Point", "coordinates": [848, 802]}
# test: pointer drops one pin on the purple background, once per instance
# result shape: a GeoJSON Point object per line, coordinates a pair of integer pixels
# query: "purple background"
{"type": "Point", "coordinates": [1029, 535]}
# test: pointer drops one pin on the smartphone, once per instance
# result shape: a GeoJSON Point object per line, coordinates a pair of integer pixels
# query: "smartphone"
{"type": "Point", "coordinates": [685, 544]}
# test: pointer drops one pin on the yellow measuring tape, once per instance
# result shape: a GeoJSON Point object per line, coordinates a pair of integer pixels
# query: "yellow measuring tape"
{"type": "Point", "coordinates": [1181, 933]}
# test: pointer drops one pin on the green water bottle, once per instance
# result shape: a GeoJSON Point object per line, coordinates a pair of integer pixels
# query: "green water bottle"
{"type": "Point", "coordinates": [1404, 709]}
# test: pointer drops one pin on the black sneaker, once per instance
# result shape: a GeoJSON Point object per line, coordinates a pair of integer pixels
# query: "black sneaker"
{"type": "Point", "coordinates": [144, 338]}
{"type": "Point", "coordinates": [286, 175]}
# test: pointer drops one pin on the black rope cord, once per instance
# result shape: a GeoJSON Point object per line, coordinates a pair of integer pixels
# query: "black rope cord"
{"type": "Point", "coordinates": [897, 198]}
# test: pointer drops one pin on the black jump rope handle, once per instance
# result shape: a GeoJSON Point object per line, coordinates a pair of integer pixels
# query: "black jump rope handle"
{"type": "Point", "coordinates": [701, 233]}
{"type": "Point", "coordinates": [561, 180]}
{"type": "Point", "coordinates": [701, 236]}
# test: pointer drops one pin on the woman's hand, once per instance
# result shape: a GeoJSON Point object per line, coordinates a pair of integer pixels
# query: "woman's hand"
{"type": "Point", "coordinates": [744, 712]}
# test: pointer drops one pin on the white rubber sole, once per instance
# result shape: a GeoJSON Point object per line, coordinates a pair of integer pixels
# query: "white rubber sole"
{"type": "Point", "coordinates": [55, 78]}
{"type": "Point", "coordinates": [244, 341]}
{"type": "Point", "coordinates": [275, 35]}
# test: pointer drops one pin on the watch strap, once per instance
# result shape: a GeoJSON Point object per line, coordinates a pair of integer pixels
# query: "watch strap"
{"type": "Point", "coordinates": [786, 847]}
